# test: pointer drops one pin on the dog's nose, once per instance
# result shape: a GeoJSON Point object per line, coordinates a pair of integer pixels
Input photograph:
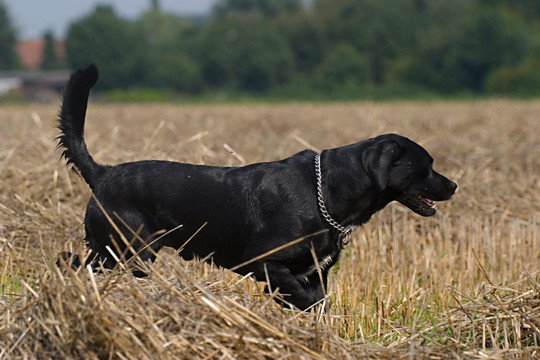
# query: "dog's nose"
{"type": "Point", "coordinates": [453, 186]}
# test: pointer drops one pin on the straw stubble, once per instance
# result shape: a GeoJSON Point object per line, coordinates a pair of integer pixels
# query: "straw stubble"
{"type": "Point", "coordinates": [463, 284]}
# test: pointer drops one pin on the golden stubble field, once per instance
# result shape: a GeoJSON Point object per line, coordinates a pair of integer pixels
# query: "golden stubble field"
{"type": "Point", "coordinates": [462, 284]}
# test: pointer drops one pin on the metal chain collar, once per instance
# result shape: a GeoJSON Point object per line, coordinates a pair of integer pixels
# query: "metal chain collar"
{"type": "Point", "coordinates": [346, 232]}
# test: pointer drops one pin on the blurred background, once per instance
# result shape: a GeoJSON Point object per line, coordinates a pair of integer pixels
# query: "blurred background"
{"type": "Point", "coordinates": [273, 49]}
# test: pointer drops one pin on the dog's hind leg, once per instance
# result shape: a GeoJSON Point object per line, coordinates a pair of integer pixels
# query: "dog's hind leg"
{"type": "Point", "coordinates": [131, 256]}
{"type": "Point", "coordinates": [76, 261]}
{"type": "Point", "coordinates": [141, 249]}
{"type": "Point", "coordinates": [70, 259]}
{"type": "Point", "coordinates": [123, 239]}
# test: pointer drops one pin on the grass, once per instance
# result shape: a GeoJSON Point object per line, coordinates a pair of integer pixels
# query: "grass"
{"type": "Point", "coordinates": [464, 284]}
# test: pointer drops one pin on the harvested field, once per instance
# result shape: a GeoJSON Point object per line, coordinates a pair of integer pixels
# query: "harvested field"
{"type": "Point", "coordinates": [464, 284]}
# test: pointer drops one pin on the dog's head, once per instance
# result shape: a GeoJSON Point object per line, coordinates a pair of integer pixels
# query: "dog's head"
{"type": "Point", "coordinates": [403, 169]}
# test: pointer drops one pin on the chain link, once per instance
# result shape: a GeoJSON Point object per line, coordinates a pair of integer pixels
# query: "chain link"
{"type": "Point", "coordinates": [346, 232]}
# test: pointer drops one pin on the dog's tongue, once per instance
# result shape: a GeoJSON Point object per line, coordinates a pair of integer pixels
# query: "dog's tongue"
{"type": "Point", "coordinates": [427, 202]}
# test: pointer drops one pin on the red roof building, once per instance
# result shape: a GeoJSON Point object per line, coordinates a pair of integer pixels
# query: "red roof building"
{"type": "Point", "coordinates": [30, 52]}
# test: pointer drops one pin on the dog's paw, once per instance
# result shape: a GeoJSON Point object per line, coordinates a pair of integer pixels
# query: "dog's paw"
{"type": "Point", "coordinates": [68, 259]}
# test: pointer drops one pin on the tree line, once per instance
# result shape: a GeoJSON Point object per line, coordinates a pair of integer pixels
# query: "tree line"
{"type": "Point", "coordinates": [322, 47]}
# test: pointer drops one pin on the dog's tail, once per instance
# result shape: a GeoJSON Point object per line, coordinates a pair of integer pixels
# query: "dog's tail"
{"type": "Point", "coordinates": [71, 123]}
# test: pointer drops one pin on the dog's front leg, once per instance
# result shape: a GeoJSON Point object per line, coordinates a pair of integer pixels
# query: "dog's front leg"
{"type": "Point", "coordinates": [317, 285]}
{"type": "Point", "coordinates": [279, 277]}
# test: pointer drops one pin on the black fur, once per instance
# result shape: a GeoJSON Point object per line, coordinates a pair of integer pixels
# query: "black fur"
{"type": "Point", "coordinates": [248, 210]}
{"type": "Point", "coordinates": [71, 123]}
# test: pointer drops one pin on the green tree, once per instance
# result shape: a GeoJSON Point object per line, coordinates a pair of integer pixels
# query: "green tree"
{"type": "Point", "coordinates": [216, 52]}
{"type": "Point", "coordinates": [114, 44]}
{"type": "Point", "coordinates": [267, 8]}
{"type": "Point", "coordinates": [8, 39]}
{"type": "Point", "coordinates": [154, 5]}
{"type": "Point", "coordinates": [437, 28]}
{"type": "Point", "coordinates": [528, 10]}
{"type": "Point", "coordinates": [307, 41]}
{"type": "Point", "coordinates": [459, 44]}
{"type": "Point", "coordinates": [260, 45]}
{"type": "Point", "coordinates": [171, 43]}
{"type": "Point", "coordinates": [246, 53]}
{"type": "Point", "coordinates": [49, 57]}
{"type": "Point", "coordinates": [489, 41]}
{"type": "Point", "coordinates": [520, 80]}
{"type": "Point", "coordinates": [344, 67]}
{"type": "Point", "coordinates": [376, 28]}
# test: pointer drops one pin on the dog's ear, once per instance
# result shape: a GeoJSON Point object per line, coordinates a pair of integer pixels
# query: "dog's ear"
{"type": "Point", "coordinates": [378, 159]}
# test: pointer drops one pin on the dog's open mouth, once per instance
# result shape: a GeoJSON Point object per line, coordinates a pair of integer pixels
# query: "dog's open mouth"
{"type": "Point", "coordinates": [419, 204]}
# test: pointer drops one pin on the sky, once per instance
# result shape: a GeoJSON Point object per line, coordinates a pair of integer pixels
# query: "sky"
{"type": "Point", "coordinates": [33, 17]}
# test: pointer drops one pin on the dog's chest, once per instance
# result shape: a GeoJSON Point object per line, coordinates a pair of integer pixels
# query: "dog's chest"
{"type": "Point", "coordinates": [323, 264]}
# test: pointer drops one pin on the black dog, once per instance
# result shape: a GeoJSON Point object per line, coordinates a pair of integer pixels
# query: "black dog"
{"type": "Point", "coordinates": [250, 210]}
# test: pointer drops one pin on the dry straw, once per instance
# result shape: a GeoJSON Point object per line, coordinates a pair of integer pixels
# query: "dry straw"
{"type": "Point", "coordinates": [462, 285]}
